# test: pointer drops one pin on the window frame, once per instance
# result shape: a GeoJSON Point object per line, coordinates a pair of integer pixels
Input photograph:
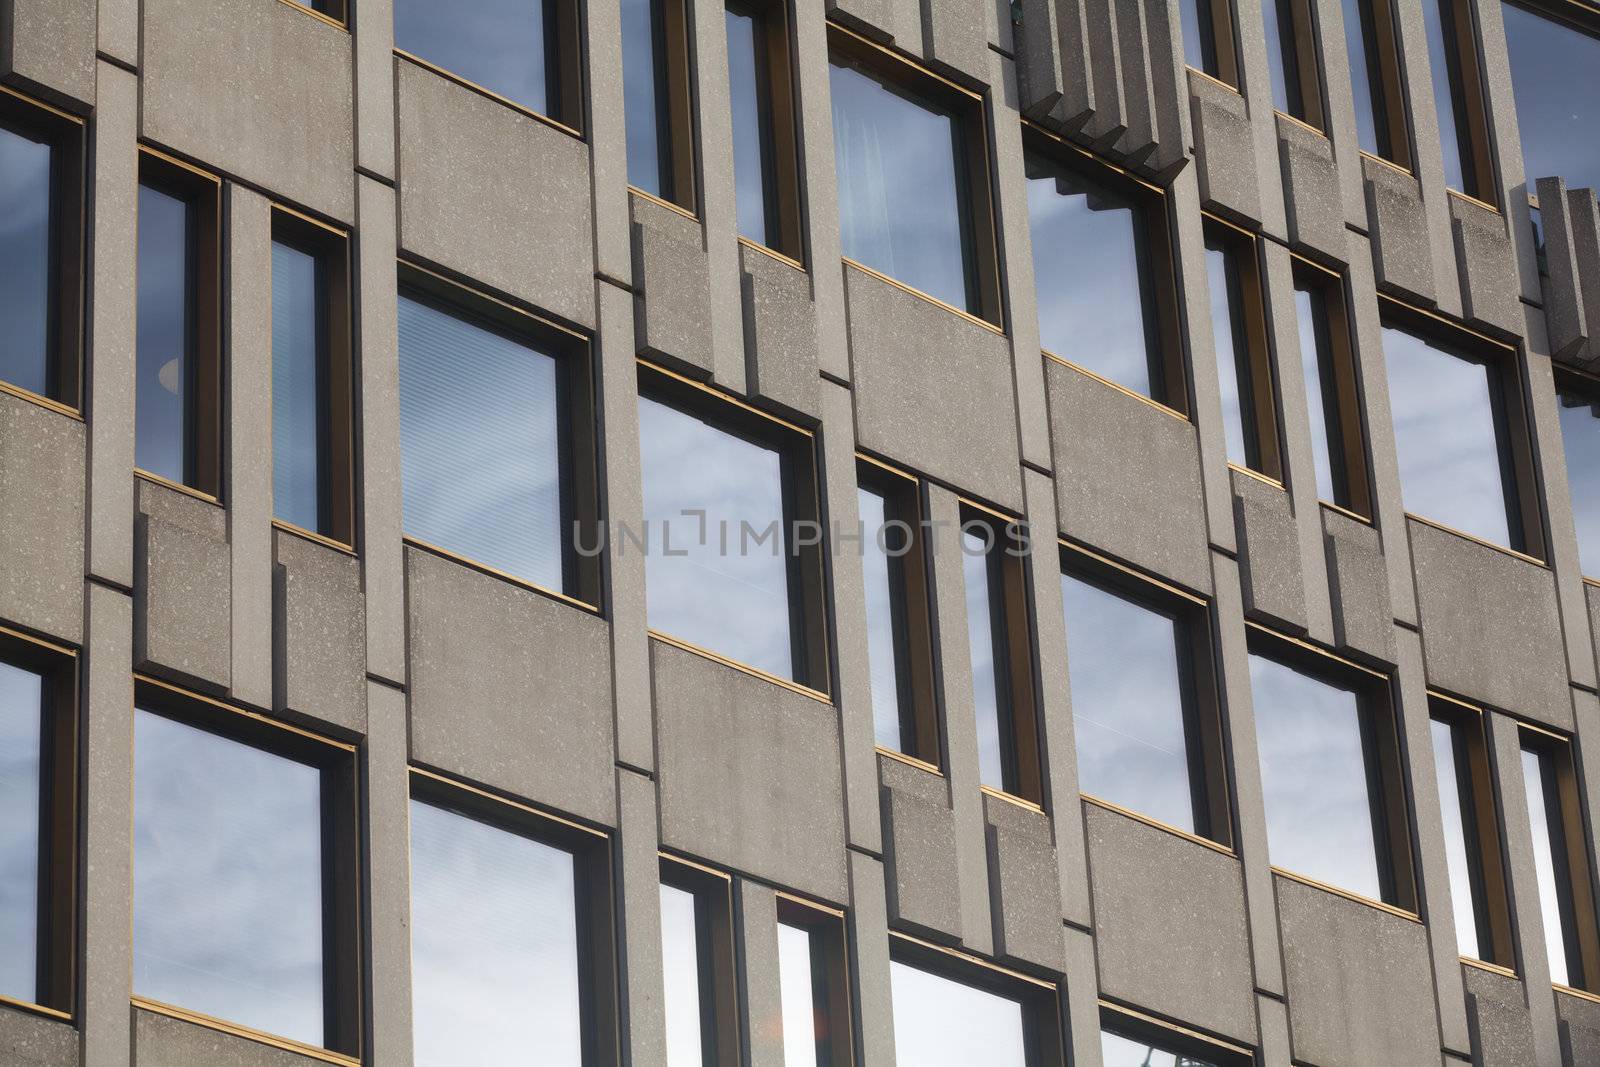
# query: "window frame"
{"type": "Point", "coordinates": [830, 941]}
{"type": "Point", "coordinates": [1260, 410]}
{"type": "Point", "coordinates": [1307, 71]}
{"type": "Point", "coordinates": [676, 108]}
{"type": "Point", "coordinates": [1217, 16]}
{"type": "Point", "coordinates": [339, 16]}
{"type": "Point", "coordinates": [1387, 83]}
{"type": "Point", "coordinates": [1353, 457]}
{"type": "Point", "coordinates": [1459, 27]}
{"type": "Point", "coordinates": [782, 186]}
{"type": "Point", "coordinates": [1134, 1025]}
{"type": "Point", "coordinates": [716, 942]}
{"type": "Point", "coordinates": [1555, 752]}
{"type": "Point", "coordinates": [342, 876]}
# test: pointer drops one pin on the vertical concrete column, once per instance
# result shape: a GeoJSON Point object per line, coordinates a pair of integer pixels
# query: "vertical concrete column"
{"type": "Point", "coordinates": [1255, 82]}
{"type": "Point", "coordinates": [638, 895]}
{"type": "Point", "coordinates": [1515, 184]}
{"type": "Point", "coordinates": [1586, 722]}
{"type": "Point", "coordinates": [107, 879]}
{"type": "Point", "coordinates": [760, 981]}
{"type": "Point", "coordinates": [1080, 1000]}
{"type": "Point", "coordinates": [608, 149]}
{"type": "Point", "coordinates": [248, 331]}
{"type": "Point", "coordinates": [388, 878]}
{"type": "Point", "coordinates": [113, 340]}
{"type": "Point", "coordinates": [1340, 113]}
{"type": "Point", "coordinates": [374, 88]}
{"type": "Point", "coordinates": [118, 37]}
{"type": "Point", "coordinates": [1272, 1015]}
{"type": "Point", "coordinates": [819, 186]}
{"type": "Point", "coordinates": [873, 999]}
{"type": "Point", "coordinates": [718, 208]}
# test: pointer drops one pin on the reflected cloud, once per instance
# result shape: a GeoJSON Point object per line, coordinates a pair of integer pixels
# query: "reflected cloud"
{"type": "Point", "coordinates": [498, 44]}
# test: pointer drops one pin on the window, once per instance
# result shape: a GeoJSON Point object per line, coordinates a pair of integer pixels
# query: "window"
{"type": "Point", "coordinates": [510, 932]}
{"type": "Point", "coordinates": [1580, 438]}
{"type": "Point", "coordinates": [656, 99]}
{"type": "Point", "coordinates": [766, 178]}
{"type": "Point", "coordinates": [1333, 400]}
{"type": "Point", "coordinates": [1560, 860]}
{"type": "Point", "coordinates": [1330, 772]}
{"type": "Point", "coordinates": [1208, 39]}
{"type": "Point", "coordinates": [522, 51]}
{"type": "Point", "coordinates": [1458, 98]}
{"type": "Point", "coordinates": [1292, 59]}
{"type": "Point", "coordinates": [697, 961]}
{"type": "Point", "coordinates": [1144, 707]}
{"type": "Point", "coordinates": [954, 1011]}
{"type": "Point", "coordinates": [912, 159]}
{"type": "Point", "coordinates": [41, 249]}
{"type": "Point", "coordinates": [1381, 129]}
{"type": "Point", "coordinates": [312, 462]}
{"type": "Point", "coordinates": [899, 622]}
{"type": "Point", "coordinates": [496, 437]}
{"type": "Point", "coordinates": [230, 806]}
{"type": "Point", "coordinates": [178, 392]}
{"type": "Point", "coordinates": [1244, 362]}
{"type": "Point", "coordinates": [1555, 78]}
{"type": "Point", "coordinates": [1460, 433]}
{"type": "Point", "coordinates": [1130, 1039]}
{"type": "Point", "coordinates": [814, 985]}
{"type": "Point", "coordinates": [1002, 656]}
{"type": "Point", "coordinates": [730, 502]}
{"type": "Point", "coordinates": [332, 10]}
{"type": "Point", "coordinates": [1471, 841]}
{"type": "Point", "coordinates": [1103, 272]}
{"type": "Point", "coordinates": [38, 770]}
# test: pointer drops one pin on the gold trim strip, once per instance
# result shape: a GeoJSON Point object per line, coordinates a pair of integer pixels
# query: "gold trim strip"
{"type": "Point", "coordinates": [1535, 728]}
{"type": "Point", "coordinates": [41, 105]}
{"type": "Point", "coordinates": [755, 672]}
{"type": "Point", "coordinates": [1029, 124]}
{"type": "Point", "coordinates": [338, 231]}
{"type": "Point", "coordinates": [1443, 320]}
{"type": "Point", "coordinates": [970, 959]}
{"type": "Point", "coordinates": [672, 857]}
{"type": "Point", "coordinates": [221, 705]}
{"type": "Point", "coordinates": [494, 572]}
{"type": "Point", "coordinates": [1303, 261]}
{"type": "Point", "coordinates": [199, 172]}
{"type": "Point", "coordinates": [1250, 624]}
{"type": "Point", "coordinates": [1434, 694]}
{"type": "Point", "coordinates": [821, 909]}
{"type": "Point", "coordinates": [1196, 1035]}
{"type": "Point", "coordinates": [994, 513]}
{"type": "Point", "coordinates": [652, 198]}
{"type": "Point", "coordinates": [911, 761]}
{"type": "Point", "coordinates": [36, 1009]}
{"type": "Point", "coordinates": [901, 58]}
{"type": "Point", "coordinates": [920, 295]}
{"type": "Point", "coordinates": [469, 84]}
{"type": "Point", "coordinates": [1469, 198]}
{"type": "Point", "coordinates": [1479, 541]}
{"type": "Point", "coordinates": [889, 468]}
{"type": "Point", "coordinates": [1391, 164]}
{"type": "Point", "coordinates": [40, 399]}
{"type": "Point", "coordinates": [1103, 380]}
{"type": "Point", "coordinates": [1347, 894]}
{"type": "Point", "coordinates": [1302, 123]}
{"type": "Point", "coordinates": [1157, 824]}
{"type": "Point", "coordinates": [1591, 581]}
{"type": "Point", "coordinates": [455, 783]}
{"type": "Point", "coordinates": [1249, 235]}
{"type": "Point", "coordinates": [724, 396]}
{"type": "Point", "coordinates": [1339, 509]}
{"type": "Point", "coordinates": [1011, 798]}
{"type": "Point", "coordinates": [41, 642]}
{"type": "Point", "coordinates": [1258, 476]}
{"type": "Point", "coordinates": [312, 535]}
{"type": "Point", "coordinates": [260, 1037]}
{"type": "Point", "coordinates": [1132, 572]}
{"type": "Point", "coordinates": [772, 253]}
{"type": "Point", "coordinates": [1485, 965]}
{"type": "Point", "coordinates": [1574, 991]}
{"type": "Point", "coordinates": [408, 265]}
{"type": "Point", "coordinates": [1213, 79]}
{"type": "Point", "coordinates": [319, 16]}
{"type": "Point", "coordinates": [177, 487]}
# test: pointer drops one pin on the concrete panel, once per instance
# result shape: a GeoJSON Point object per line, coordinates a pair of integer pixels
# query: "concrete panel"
{"type": "Point", "coordinates": [1103, 58]}
{"type": "Point", "coordinates": [49, 45]}
{"type": "Point", "coordinates": [1269, 553]}
{"type": "Point", "coordinates": [1491, 628]}
{"type": "Point", "coordinates": [1497, 1019]}
{"type": "Point", "coordinates": [161, 1041]}
{"type": "Point", "coordinates": [387, 807]}
{"type": "Point", "coordinates": [319, 633]}
{"type": "Point", "coordinates": [1138, 141]}
{"type": "Point", "coordinates": [1487, 265]}
{"type": "Point", "coordinates": [933, 390]}
{"type": "Point", "coordinates": [1579, 1023]}
{"type": "Point", "coordinates": [955, 37]}
{"type": "Point", "coordinates": [374, 88]}
{"type": "Point", "coordinates": [509, 688]}
{"type": "Point", "coordinates": [898, 21]}
{"type": "Point", "coordinates": [1359, 981]}
{"type": "Point", "coordinates": [460, 207]}
{"type": "Point", "coordinates": [41, 512]}
{"type": "Point", "coordinates": [1129, 477]}
{"type": "Point", "coordinates": [1358, 583]}
{"type": "Point", "coordinates": [780, 332]}
{"type": "Point", "coordinates": [1024, 885]}
{"type": "Point", "coordinates": [1571, 222]}
{"type": "Point", "coordinates": [1402, 255]}
{"type": "Point", "coordinates": [741, 762]}
{"type": "Point", "coordinates": [1171, 932]}
{"type": "Point", "coordinates": [1040, 79]}
{"type": "Point", "coordinates": [672, 287]}
{"type": "Point", "coordinates": [869, 961]}
{"type": "Point", "coordinates": [214, 70]}
{"type": "Point", "coordinates": [182, 588]}
{"type": "Point", "coordinates": [1310, 189]}
{"type": "Point", "coordinates": [1224, 148]}
{"type": "Point", "coordinates": [30, 1041]}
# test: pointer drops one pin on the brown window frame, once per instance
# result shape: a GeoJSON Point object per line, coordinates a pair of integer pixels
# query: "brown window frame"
{"type": "Point", "coordinates": [1167, 1036]}
{"type": "Point", "coordinates": [1583, 938]}
{"type": "Point", "coordinates": [830, 970]}
{"type": "Point", "coordinates": [1259, 408]}
{"type": "Point", "coordinates": [1302, 28]}
{"type": "Point", "coordinates": [716, 941]}
{"type": "Point", "coordinates": [1223, 41]}
{"type": "Point", "coordinates": [1472, 118]}
{"type": "Point", "coordinates": [1352, 452]}
{"type": "Point", "coordinates": [1393, 122]}
{"type": "Point", "coordinates": [782, 186]}
{"type": "Point", "coordinates": [337, 13]}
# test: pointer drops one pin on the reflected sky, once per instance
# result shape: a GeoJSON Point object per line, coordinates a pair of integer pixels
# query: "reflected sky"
{"type": "Point", "coordinates": [1314, 777]}
{"type": "Point", "coordinates": [885, 594]}
{"type": "Point", "coordinates": [498, 44]}
{"type": "Point", "coordinates": [1439, 19]}
{"type": "Point", "coordinates": [1538, 777]}
{"type": "Point", "coordinates": [1092, 271]}
{"type": "Point", "coordinates": [165, 335]}
{"type": "Point", "coordinates": [1555, 78]}
{"type": "Point", "coordinates": [1322, 402]}
{"type": "Point", "coordinates": [680, 965]}
{"type": "Point", "coordinates": [940, 1023]}
{"type": "Point", "coordinates": [796, 979]}
{"type": "Point", "coordinates": [902, 197]}
{"type": "Point", "coordinates": [298, 388]}
{"type": "Point", "coordinates": [644, 97]}
{"type": "Point", "coordinates": [494, 945]}
{"type": "Point", "coordinates": [227, 879]}
{"type": "Point", "coordinates": [1359, 29]}
{"type": "Point", "coordinates": [1447, 434]}
{"type": "Point", "coordinates": [25, 196]}
{"type": "Point", "coordinates": [1455, 801]}
{"type": "Point", "coordinates": [1124, 666]}
{"type": "Point", "coordinates": [731, 599]}
{"type": "Point", "coordinates": [1199, 45]}
{"type": "Point", "coordinates": [480, 444]}
{"type": "Point", "coordinates": [752, 132]}
{"type": "Point", "coordinates": [1227, 335]}
{"type": "Point", "coordinates": [1580, 438]}
{"type": "Point", "coordinates": [986, 634]}
{"type": "Point", "coordinates": [1119, 1051]}
{"type": "Point", "coordinates": [21, 722]}
{"type": "Point", "coordinates": [1282, 59]}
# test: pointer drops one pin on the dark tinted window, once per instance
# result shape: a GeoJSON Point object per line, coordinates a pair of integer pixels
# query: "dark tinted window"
{"type": "Point", "coordinates": [164, 400]}
{"type": "Point", "coordinates": [939, 1022]}
{"type": "Point", "coordinates": [1249, 408]}
{"type": "Point", "coordinates": [1322, 400]}
{"type": "Point", "coordinates": [1199, 35]}
{"type": "Point", "coordinates": [1580, 438]}
{"type": "Point", "coordinates": [26, 288]}
{"type": "Point", "coordinates": [506, 46]}
{"type": "Point", "coordinates": [21, 799]}
{"type": "Point", "coordinates": [300, 399]}
{"type": "Point", "coordinates": [1555, 77]}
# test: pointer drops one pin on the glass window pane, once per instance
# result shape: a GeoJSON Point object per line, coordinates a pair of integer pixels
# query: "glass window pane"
{"type": "Point", "coordinates": [481, 455]}
{"type": "Point", "coordinates": [1439, 19]}
{"type": "Point", "coordinates": [644, 90]}
{"type": "Point", "coordinates": [21, 797]}
{"type": "Point", "coordinates": [1360, 31]}
{"type": "Point", "coordinates": [1550, 862]}
{"type": "Point", "coordinates": [1314, 774]}
{"type": "Point", "coordinates": [797, 979]}
{"type": "Point", "coordinates": [494, 945]}
{"type": "Point", "coordinates": [986, 640]}
{"type": "Point", "coordinates": [1555, 78]}
{"type": "Point", "coordinates": [162, 406]}
{"type": "Point", "coordinates": [1456, 806]}
{"type": "Point", "coordinates": [25, 246]}
{"type": "Point", "coordinates": [1322, 399]}
{"type": "Point", "coordinates": [1119, 1051]}
{"type": "Point", "coordinates": [1231, 343]}
{"type": "Point", "coordinates": [882, 559]}
{"type": "Point", "coordinates": [941, 1023]}
{"type": "Point", "coordinates": [1283, 56]}
{"type": "Point", "coordinates": [1199, 36]}
{"type": "Point", "coordinates": [686, 1002]}
{"type": "Point", "coordinates": [1447, 427]}
{"type": "Point", "coordinates": [717, 575]}
{"type": "Point", "coordinates": [903, 196]}
{"type": "Point", "coordinates": [501, 45]}
{"type": "Point", "coordinates": [227, 879]}
{"type": "Point", "coordinates": [1580, 438]}
{"type": "Point", "coordinates": [752, 122]}
{"type": "Point", "coordinates": [299, 387]}
{"type": "Point", "coordinates": [1091, 265]}
{"type": "Point", "coordinates": [1126, 665]}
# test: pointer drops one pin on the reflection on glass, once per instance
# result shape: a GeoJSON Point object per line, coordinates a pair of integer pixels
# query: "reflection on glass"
{"type": "Point", "coordinates": [481, 444]}
{"type": "Point", "coordinates": [1361, 41]}
{"type": "Point", "coordinates": [1322, 397]}
{"type": "Point", "coordinates": [1448, 421]}
{"type": "Point", "coordinates": [505, 46]}
{"type": "Point", "coordinates": [941, 1023]}
{"type": "Point", "coordinates": [1580, 438]}
{"type": "Point", "coordinates": [1539, 776]}
{"type": "Point", "coordinates": [227, 879]}
{"type": "Point", "coordinates": [1199, 35]}
{"type": "Point", "coordinates": [752, 122]}
{"type": "Point", "coordinates": [883, 545]}
{"type": "Point", "coordinates": [1091, 266]}
{"type": "Point", "coordinates": [25, 240]}
{"type": "Point", "coordinates": [165, 373]}
{"type": "Point", "coordinates": [797, 980]}
{"type": "Point", "coordinates": [903, 197]}
{"type": "Point", "coordinates": [1449, 92]}
{"type": "Point", "coordinates": [1233, 352]}
{"type": "Point", "coordinates": [494, 945]}
{"type": "Point", "coordinates": [681, 966]}
{"type": "Point", "coordinates": [1555, 78]}
{"type": "Point", "coordinates": [21, 794]}
{"type": "Point", "coordinates": [986, 638]}
{"type": "Point", "coordinates": [299, 388]}
{"type": "Point", "coordinates": [717, 569]}
{"type": "Point", "coordinates": [1283, 57]}
{"type": "Point", "coordinates": [1460, 836]}
{"type": "Point", "coordinates": [1119, 1051]}
{"type": "Point", "coordinates": [1321, 819]}
{"type": "Point", "coordinates": [1126, 666]}
{"type": "Point", "coordinates": [644, 91]}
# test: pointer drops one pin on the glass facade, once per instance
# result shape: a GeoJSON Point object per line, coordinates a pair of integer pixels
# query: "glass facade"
{"type": "Point", "coordinates": [939, 1022]}
{"type": "Point", "coordinates": [27, 239]}
{"type": "Point", "coordinates": [1200, 35]}
{"type": "Point", "coordinates": [1118, 1050]}
{"type": "Point", "coordinates": [1363, 46]}
{"type": "Point", "coordinates": [505, 46]}
{"type": "Point", "coordinates": [1236, 344]}
{"type": "Point", "coordinates": [1440, 17]}
{"type": "Point", "coordinates": [646, 97]}
{"type": "Point", "coordinates": [989, 645]}
{"type": "Point", "coordinates": [1318, 364]}
{"type": "Point", "coordinates": [885, 542]}
{"type": "Point", "coordinates": [1283, 57]}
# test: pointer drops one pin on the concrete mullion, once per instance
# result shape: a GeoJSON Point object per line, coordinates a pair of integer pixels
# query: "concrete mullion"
{"type": "Point", "coordinates": [819, 187]}
{"type": "Point", "coordinates": [718, 206]}
{"type": "Point", "coordinates": [1256, 84]}
{"type": "Point", "coordinates": [760, 979]}
{"type": "Point", "coordinates": [1586, 751]}
{"type": "Point", "coordinates": [642, 1010]}
{"type": "Point", "coordinates": [608, 152]}
{"type": "Point", "coordinates": [1339, 119]}
{"type": "Point", "coordinates": [388, 910]}
{"type": "Point", "coordinates": [1515, 184]}
{"type": "Point", "coordinates": [1080, 1000]}
{"type": "Point", "coordinates": [119, 31]}
{"type": "Point", "coordinates": [1428, 164]}
{"type": "Point", "coordinates": [374, 87]}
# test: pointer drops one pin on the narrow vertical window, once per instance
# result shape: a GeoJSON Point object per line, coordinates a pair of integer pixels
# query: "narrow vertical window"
{"type": "Point", "coordinates": [998, 641]}
{"type": "Point", "coordinates": [1292, 59]}
{"type": "Point", "coordinates": [1381, 127]}
{"type": "Point", "coordinates": [765, 178]}
{"type": "Point", "coordinates": [312, 469]}
{"type": "Point", "coordinates": [1244, 362]}
{"type": "Point", "coordinates": [656, 99]}
{"type": "Point", "coordinates": [1208, 38]}
{"type": "Point", "coordinates": [813, 985]}
{"type": "Point", "coordinates": [697, 964]}
{"type": "Point", "coordinates": [1560, 860]}
{"type": "Point", "coordinates": [1472, 846]}
{"type": "Point", "coordinates": [1576, 400]}
{"type": "Point", "coordinates": [953, 1013]}
{"type": "Point", "coordinates": [1327, 361]}
{"type": "Point", "coordinates": [1558, 117]}
{"type": "Point", "coordinates": [1458, 97]}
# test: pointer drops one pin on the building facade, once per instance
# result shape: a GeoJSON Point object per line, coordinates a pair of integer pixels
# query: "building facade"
{"type": "Point", "coordinates": [799, 532]}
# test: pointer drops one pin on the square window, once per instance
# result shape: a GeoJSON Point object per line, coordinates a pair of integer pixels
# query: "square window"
{"type": "Point", "coordinates": [1244, 359]}
{"type": "Point", "coordinates": [1471, 835]}
{"type": "Point", "coordinates": [1560, 860]}
{"type": "Point", "coordinates": [766, 177]}
{"type": "Point", "coordinates": [951, 1010]}
{"type": "Point", "coordinates": [657, 100]}
{"type": "Point", "coordinates": [697, 960]}
{"type": "Point", "coordinates": [1333, 392]}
